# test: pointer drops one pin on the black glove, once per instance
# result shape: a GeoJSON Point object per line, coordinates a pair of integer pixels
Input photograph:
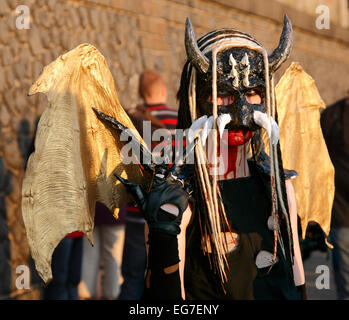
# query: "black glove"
{"type": "Point", "coordinates": [165, 191]}
{"type": "Point", "coordinates": [169, 187]}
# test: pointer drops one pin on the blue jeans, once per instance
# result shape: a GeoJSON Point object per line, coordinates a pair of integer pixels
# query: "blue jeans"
{"type": "Point", "coordinates": [66, 270]}
{"type": "Point", "coordinates": [134, 262]}
{"type": "Point", "coordinates": [340, 260]}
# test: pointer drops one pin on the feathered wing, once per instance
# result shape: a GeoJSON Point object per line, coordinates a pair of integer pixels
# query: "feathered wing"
{"type": "Point", "coordinates": [303, 146]}
{"type": "Point", "coordinates": [75, 154]}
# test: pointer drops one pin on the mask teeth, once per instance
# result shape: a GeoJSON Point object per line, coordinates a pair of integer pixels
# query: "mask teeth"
{"type": "Point", "coordinates": [195, 128]}
{"type": "Point", "coordinates": [222, 121]}
{"type": "Point", "coordinates": [204, 133]}
{"type": "Point", "coordinates": [270, 126]}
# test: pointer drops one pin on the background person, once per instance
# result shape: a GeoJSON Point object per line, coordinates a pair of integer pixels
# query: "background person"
{"type": "Point", "coordinates": [335, 127]}
{"type": "Point", "coordinates": [101, 264]}
{"type": "Point", "coordinates": [153, 92]}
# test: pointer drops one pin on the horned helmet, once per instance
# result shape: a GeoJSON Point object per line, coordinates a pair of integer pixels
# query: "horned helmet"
{"type": "Point", "coordinates": [230, 64]}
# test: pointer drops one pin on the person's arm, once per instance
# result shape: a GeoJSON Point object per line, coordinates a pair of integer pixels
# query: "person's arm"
{"type": "Point", "coordinates": [181, 238]}
{"type": "Point", "coordinates": [298, 270]}
{"type": "Point", "coordinates": [163, 208]}
{"type": "Point", "coordinates": [181, 247]}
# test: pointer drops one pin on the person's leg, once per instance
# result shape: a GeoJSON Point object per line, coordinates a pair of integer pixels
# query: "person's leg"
{"type": "Point", "coordinates": [134, 262]}
{"type": "Point", "coordinates": [57, 288]}
{"type": "Point", "coordinates": [340, 260]}
{"type": "Point", "coordinates": [112, 243]}
{"type": "Point", "coordinates": [90, 266]}
{"type": "Point", "coordinates": [74, 275]}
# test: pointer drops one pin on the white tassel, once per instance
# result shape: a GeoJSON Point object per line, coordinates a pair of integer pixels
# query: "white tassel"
{"type": "Point", "coordinates": [269, 125]}
{"type": "Point", "coordinates": [195, 128]}
{"type": "Point", "coordinates": [204, 133]}
{"type": "Point", "coordinates": [222, 121]}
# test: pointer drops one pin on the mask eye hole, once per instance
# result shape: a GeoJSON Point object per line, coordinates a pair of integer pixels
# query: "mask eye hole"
{"type": "Point", "coordinates": [222, 101]}
{"type": "Point", "coordinates": [253, 96]}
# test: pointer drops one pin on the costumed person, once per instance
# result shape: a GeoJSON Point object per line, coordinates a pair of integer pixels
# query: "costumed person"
{"type": "Point", "coordinates": [232, 235]}
{"type": "Point", "coordinates": [153, 92]}
{"type": "Point", "coordinates": [221, 217]}
{"type": "Point", "coordinates": [335, 124]}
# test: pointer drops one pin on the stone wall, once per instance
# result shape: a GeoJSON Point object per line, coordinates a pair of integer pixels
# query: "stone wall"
{"type": "Point", "coordinates": [132, 35]}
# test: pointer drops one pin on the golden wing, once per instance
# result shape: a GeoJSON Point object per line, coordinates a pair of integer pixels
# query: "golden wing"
{"type": "Point", "coordinates": [75, 154]}
{"type": "Point", "coordinates": [303, 146]}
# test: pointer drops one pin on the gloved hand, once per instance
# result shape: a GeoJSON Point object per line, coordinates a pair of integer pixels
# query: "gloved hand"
{"type": "Point", "coordinates": [169, 187]}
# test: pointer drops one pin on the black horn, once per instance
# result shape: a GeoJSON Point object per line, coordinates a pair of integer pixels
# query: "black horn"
{"type": "Point", "coordinates": [195, 56]}
{"type": "Point", "coordinates": [282, 52]}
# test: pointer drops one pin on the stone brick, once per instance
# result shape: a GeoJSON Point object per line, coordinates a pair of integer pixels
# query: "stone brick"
{"type": "Point", "coordinates": [133, 82]}
{"type": "Point", "coordinates": [138, 61]}
{"type": "Point", "coordinates": [104, 21]}
{"type": "Point", "coordinates": [94, 18]}
{"type": "Point", "coordinates": [45, 18]}
{"type": "Point", "coordinates": [22, 35]}
{"type": "Point", "coordinates": [21, 101]}
{"type": "Point", "coordinates": [41, 3]}
{"type": "Point", "coordinates": [4, 8]}
{"type": "Point", "coordinates": [154, 42]}
{"type": "Point", "coordinates": [159, 64]}
{"type": "Point", "coordinates": [156, 9]}
{"type": "Point", "coordinates": [45, 39]}
{"type": "Point", "coordinates": [120, 81]}
{"type": "Point", "coordinates": [84, 17]}
{"type": "Point", "coordinates": [16, 194]}
{"type": "Point", "coordinates": [25, 60]}
{"type": "Point", "coordinates": [54, 37]}
{"type": "Point", "coordinates": [10, 77]}
{"type": "Point", "coordinates": [60, 16]}
{"type": "Point", "coordinates": [11, 21]}
{"type": "Point", "coordinates": [7, 58]}
{"type": "Point", "coordinates": [56, 52]}
{"type": "Point", "coordinates": [132, 46]}
{"type": "Point", "coordinates": [152, 25]}
{"type": "Point", "coordinates": [47, 58]}
{"type": "Point", "coordinates": [38, 67]}
{"type": "Point", "coordinates": [2, 79]}
{"type": "Point", "coordinates": [35, 41]}
{"type": "Point", "coordinates": [5, 34]}
{"type": "Point", "coordinates": [51, 4]}
{"type": "Point", "coordinates": [13, 3]}
{"type": "Point", "coordinates": [9, 98]}
{"type": "Point", "coordinates": [64, 39]}
{"type": "Point", "coordinates": [84, 36]}
{"type": "Point", "coordinates": [73, 18]}
{"type": "Point", "coordinates": [15, 48]}
{"type": "Point", "coordinates": [12, 155]}
{"type": "Point", "coordinates": [5, 116]}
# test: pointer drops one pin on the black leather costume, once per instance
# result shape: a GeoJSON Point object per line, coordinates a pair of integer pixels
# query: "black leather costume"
{"type": "Point", "coordinates": [248, 204]}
